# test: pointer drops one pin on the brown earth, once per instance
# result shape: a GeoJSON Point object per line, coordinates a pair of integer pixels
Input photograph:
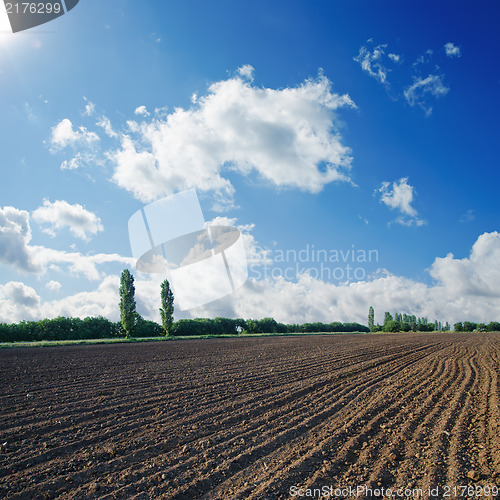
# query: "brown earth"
{"type": "Point", "coordinates": [253, 418]}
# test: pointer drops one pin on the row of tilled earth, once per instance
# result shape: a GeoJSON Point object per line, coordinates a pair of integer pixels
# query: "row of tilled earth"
{"type": "Point", "coordinates": [330, 416]}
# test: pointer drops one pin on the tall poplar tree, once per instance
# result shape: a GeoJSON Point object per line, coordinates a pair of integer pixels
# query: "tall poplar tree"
{"type": "Point", "coordinates": [167, 307]}
{"type": "Point", "coordinates": [128, 314]}
{"type": "Point", "coordinates": [371, 318]}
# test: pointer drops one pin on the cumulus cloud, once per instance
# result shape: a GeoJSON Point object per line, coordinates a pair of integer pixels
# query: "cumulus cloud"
{"type": "Point", "coordinates": [399, 195]}
{"type": "Point", "coordinates": [256, 255]}
{"type": "Point", "coordinates": [75, 263]}
{"type": "Point", "coordinates": [141, 110]}
{"type": "Point", "coordinates": [418, 92]}
{"type": "Point", "coordinates": [103, 301]}
{"type": "Point", "coordinates": [15, 235]}
{"type": "Point", "coordinates": [452, 50]}
{"type": "Point", "coordinates": [17, 251]}
{"type": "Point", "coordinates": [20, 294]}
{"type": "Point", "coordinates": [320, 300]}
{"type": "Point", "coordinates": [477, 275]}
{"type": "Point", "coordinates": [289, 137]}
{"type": "Point", "coordinates": [53, 286]}
{"type": "Point", "coordinates": [465, 289]}
{"type": "Point", "coordinates": [18, 302]}
{"type": "Point", "coordinates": [62, 214]}
{"type": "Point", "coordinates": [64, 135]}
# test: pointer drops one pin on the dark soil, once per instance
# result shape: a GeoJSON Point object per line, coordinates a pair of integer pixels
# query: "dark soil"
{"type": "Point", "coordinates": [252, 417]}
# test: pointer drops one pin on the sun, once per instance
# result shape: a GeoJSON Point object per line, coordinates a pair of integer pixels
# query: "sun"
{"type": "Point", "coordinates": [6, 35]}
{"type": "Point", "coordinates": [5, 29]}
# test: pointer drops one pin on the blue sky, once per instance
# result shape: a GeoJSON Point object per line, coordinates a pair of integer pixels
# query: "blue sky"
{"type": "Point", "coordinates": [328, 125]}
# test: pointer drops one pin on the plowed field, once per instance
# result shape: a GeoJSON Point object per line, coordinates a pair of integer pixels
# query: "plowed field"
{"type": "Point", "coordinates": [259, 418]}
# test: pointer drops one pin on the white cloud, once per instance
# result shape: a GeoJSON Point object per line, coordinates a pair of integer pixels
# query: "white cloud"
{"type": "Point", "coordinates": [63, 135]}
{"type": "Point", "coordinates": [288, 136]}
{"type": "Point", "coordinates": [141, 110]}
{"type": "Point", "coordinates": [20, 294]}
{"type": "Point", "coordinates": [400, 196]}
{"type": "Point", "coordinates": [103, 301]}
{"type": "Point", "coordinates": [371, 61]}
{"type": "Point", "coordinates": [421, 88]}
{"type": "Point", "coordinates": [105, 124]}
{"type": "Point", "coordinates": [376, 62]}
{"type": "Point", "coordinates": [319, 300]}
{"type": "Point", "coordinates": [425, 58]}
{"type": "Point", "coordinates": [18, 302]}
{"type": "Point", "coordinates": [246, 71]}
{"type": "Point", "coordinates": [452, 50]}
{"type": "Point", "coordinates": [478, 275]}
{"type": "Point", "coordinates": [61, 214]}
{"type": "Point", "coordinates": [17, 252]}
{"type": "Point", "coordinates": [465, 289]}
{"type": "Point", "coordinates": [73, 163]}
{"type": "Point", "coordinates": [53, 286]}
{"type": "Point", "coordinates": [89, 108]}
{"type": "Point", "coordinates": [468, 216]}
{"type": "Point", "coordinates": [15, 235]}
{"type": "Point", "coordinates": [256, 255]}
{"type": "Point", "coordinates": [82, 159]}
{"type": "Point", "coordinates": [76, 263]}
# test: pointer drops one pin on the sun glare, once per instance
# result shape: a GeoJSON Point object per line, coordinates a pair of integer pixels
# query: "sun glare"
{"type": "Point", "coordinates": [5, 29]}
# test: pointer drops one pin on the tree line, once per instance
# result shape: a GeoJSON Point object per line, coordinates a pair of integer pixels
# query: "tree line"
{"type": "Point", "coordinates": [404, 323]}
{"type": "Point", "coordinates": [228, 326]}
{"type": "Point", "coordinates": [132, 324]}
{"type": "Point", "coordinates": [63, 328]}
{"type": "Point", "coordinates": [410, 323]}
{"type": "Point", "coordinates": [469, 326]}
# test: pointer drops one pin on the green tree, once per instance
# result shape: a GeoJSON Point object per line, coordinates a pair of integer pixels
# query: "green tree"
{"type": "Point", "coordinates": [388, 317]}
{"type": "Point", "coordinates": [469, 326]}
{"type": "Point", "coordinates": [167, 307]}
{"type": "Point", "coordinates": [371, 318]}
{"type": "Point", "coordinates": [252, 326]}
{"type": "Point", "coordinates": [267, 325]}
{"type": "Point", "coordinates": [493, 326]}
{"type": "Point", "coordinates": [128, 314]}
{"type": "Point", "coordinates": [392, 326]}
